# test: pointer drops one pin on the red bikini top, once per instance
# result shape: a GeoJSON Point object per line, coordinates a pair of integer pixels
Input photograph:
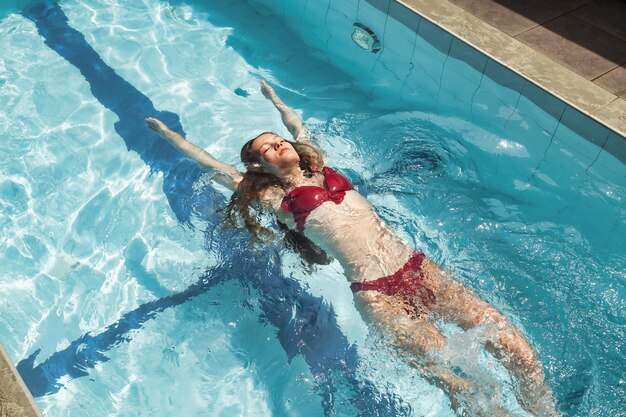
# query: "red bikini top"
{"type": "Point", "coordinates": [303, 200]}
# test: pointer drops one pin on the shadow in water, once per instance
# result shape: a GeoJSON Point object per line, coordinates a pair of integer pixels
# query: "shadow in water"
{"type": "Point", "coordinates": [305, 324]}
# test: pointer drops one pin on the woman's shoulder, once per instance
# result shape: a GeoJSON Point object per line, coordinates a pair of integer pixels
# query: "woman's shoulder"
{"type": "Point", "coordinates": [272, 196]}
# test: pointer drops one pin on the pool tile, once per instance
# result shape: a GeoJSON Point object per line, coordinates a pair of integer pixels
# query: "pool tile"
{"type": "Point", "coordinates": [415, 91]}
{"type": "Point", "coordinates": [541, 107]}
{"type": "Point", "coordinates": [388, 78]}
{"type": "Point", "coordinates": [398, 63]}
{"type": "Point", "coordinates": [395, 31]}
{"type": "Point", "coordinates": [433, 10]}
{"type": "Point", "coordinates": [317, 39]}
{"type": "Point", "coordinates": [340, 44]}
{"type": "Point", "coordinates": [430, 67]}
{"type": "Point", "coordinates": [578, 45]}
{"type": "Point", "coordinates": [488, 108]}
{"type": "Point", "coordinates": [566, 165]}
{"type": "Point", "coordinates": [459, 81]}
{"type": "Point", "coordinates": [499, 93]}
{"type": "Point", "coordinates": [566, 160]}
{"type": "Point", "coordinates": [294, 10]}
{"type": "Point", "coordinates": [469, 56]}
{"type": "Point", "coordinates": [439, 39]}
{"type": "Point", "coordinates": [505, 78]}
{"type": "Point", "coordinates": [346, 7]}
{"type": "Point", "coordinates": [316, 11]}
{"type": "Point", "coordinates": [244, 10]}
{"type": "Point", "coordinates": [585, 127]}
{"type": "Point", "coordinates": [372, 18]}
{"type": "Point", "coordinates": [382, 5]}
{"type": "Point", "coordinates": [510, 16]}
{"type": "Point", "coordinates": [264, 8]}
{"type": "Point", "coordinates": [531, 133]}
{"type": "Point", "coordinates": [398, 53]}
{"type": "Point", "coordinates": [422, 99]}
{"type": "Point", "coordinates": [456, 72]}
{"type": "Point", "coordinates": [404, 15]}
{"type": "Point", "coordinates": [363, 61]}
{"type": "Point", "coordinates": [334, 17]}
{"type": "Point", "coordinates": [456, 92]}
{"type": "Point", "coordinates": [616, 146]}
{"type": "Point", "coordinates": [339, 53]}
{"type": "Point", "coordinates": [453, 102]}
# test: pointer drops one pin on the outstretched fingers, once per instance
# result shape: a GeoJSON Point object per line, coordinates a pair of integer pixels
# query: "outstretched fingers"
{"type": "Point", "coordinates": [157, 126]}
{"type": "Point", "coordinates": [270, 94]}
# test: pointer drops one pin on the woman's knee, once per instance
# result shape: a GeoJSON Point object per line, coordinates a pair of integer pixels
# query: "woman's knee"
{"type": "Point", "coordinates": [490, 315]}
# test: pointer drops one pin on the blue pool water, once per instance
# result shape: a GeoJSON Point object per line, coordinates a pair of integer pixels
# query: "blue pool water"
{"type": "Point", "coordinates": [121, 293]}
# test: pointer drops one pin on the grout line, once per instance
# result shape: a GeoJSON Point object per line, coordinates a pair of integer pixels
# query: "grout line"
{"type": "Point", "coordinates": [555, 18]}
{"type": "Point", "coordinates": [602, 75]}
{"type": "Point", "coordinates": [599, 153]}
{"type": "Point", "coordinates": [526, 30]}
{"type": "Point", "coordinates": [606, 105]}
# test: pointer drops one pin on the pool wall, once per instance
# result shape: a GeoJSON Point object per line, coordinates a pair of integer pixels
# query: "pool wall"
{"type": "Point", "coordinates": [15, 399]}
{"type": "Point", "coordinates": [460, 79]}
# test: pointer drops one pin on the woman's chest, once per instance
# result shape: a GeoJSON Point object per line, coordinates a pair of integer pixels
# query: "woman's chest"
{"type": "Point", "coordinates": [326, 212]}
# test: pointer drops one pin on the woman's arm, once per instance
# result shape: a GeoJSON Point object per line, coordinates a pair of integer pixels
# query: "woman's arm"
{"type": "Point", "coordinates": [226, 174]}
{"type": "Point", "coordinates": [291, 120]}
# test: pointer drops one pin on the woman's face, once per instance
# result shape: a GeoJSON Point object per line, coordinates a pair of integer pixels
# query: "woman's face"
{"type": "Point", "coordinates": [276, 154]}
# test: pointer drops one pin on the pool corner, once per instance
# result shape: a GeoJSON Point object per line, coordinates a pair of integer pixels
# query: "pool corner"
{"type": "Point", "coordinates": [15, 399]}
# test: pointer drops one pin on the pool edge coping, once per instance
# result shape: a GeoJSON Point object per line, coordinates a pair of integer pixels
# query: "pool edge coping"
{"type": "Point", "coordinates": [21, 398]}
{"type": "Point", "coordinates": [568, 86]}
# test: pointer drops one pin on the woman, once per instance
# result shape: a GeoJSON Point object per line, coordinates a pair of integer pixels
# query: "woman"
{"type": "Point", "coordinates": [396, 288]}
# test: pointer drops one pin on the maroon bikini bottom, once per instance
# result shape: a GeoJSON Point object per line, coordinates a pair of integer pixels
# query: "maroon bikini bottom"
{"type": "Point", "coordinates": [406, 284]}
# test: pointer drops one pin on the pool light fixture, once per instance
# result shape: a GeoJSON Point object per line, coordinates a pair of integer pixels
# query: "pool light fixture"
{"type": "Point", "coordinates": [365, 38]}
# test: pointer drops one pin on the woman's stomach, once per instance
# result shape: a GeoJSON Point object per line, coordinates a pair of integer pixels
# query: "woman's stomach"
{"type": "Point", "coordinates": [351, 232]}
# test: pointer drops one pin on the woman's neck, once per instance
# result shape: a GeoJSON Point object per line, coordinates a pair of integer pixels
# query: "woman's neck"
{"type": "Point", "coordinates": [293, 177]}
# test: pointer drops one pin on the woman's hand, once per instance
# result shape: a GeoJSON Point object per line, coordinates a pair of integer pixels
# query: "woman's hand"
{"type": "Point", "coordinates": [291, 120]}
{"type": "Point", "coordinates": [268, 92]}
{"type": "Point", "coordinates": [226, 174]}
{"type": "Point", "coordinates": [158, 127]}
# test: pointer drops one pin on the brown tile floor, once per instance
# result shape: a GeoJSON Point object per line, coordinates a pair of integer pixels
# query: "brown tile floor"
{"type": "Point", "coordinates": [567, 5]}
{"type": "Point", "coordinates": [578, 45]}
{"type": "Point", "coordinates": [585, 36]}
{"type": "Point", "coordinates": [510, 16]}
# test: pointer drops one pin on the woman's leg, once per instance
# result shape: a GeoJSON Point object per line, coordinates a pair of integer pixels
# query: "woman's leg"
{"type": "Point", "coordinates": [415, 335]}
{"type": "Point", "coordinates": [457, 304]}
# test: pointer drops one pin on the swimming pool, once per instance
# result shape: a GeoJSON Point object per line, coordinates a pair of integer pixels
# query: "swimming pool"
{"type": "Point", "coordinates": [125, 297]}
